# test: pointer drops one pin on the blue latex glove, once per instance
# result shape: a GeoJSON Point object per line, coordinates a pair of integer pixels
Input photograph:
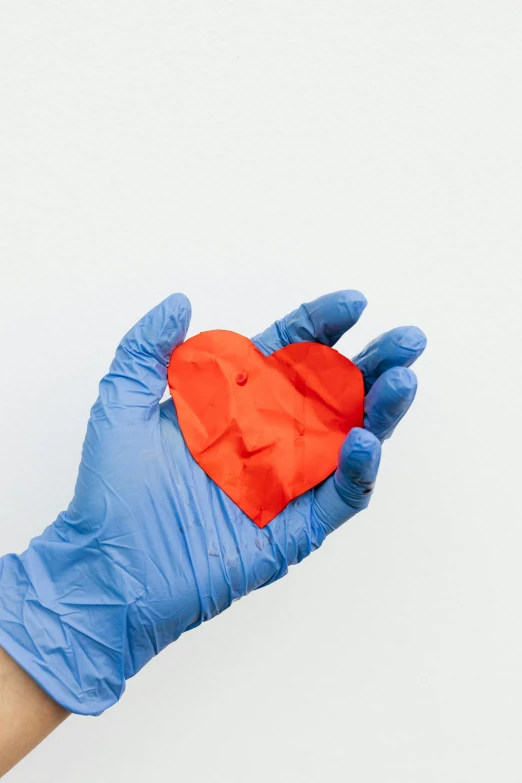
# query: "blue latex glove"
{"type": "Point", "coordinates": [150, 546]}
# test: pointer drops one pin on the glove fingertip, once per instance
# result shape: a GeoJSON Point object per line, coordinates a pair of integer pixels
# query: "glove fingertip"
{"type": "Point", "coordinates": [403, 381]}
{"type": "Point", "coordinates": [412, 338]}
{"type": "Point", "coordinates": [349, 490]}
{"type": "Point", "coordinates": [359, 460]}
{"type": "Point", "coordinates": [173, 315]}
{"type": "Point", "coordinates": [179, 308]}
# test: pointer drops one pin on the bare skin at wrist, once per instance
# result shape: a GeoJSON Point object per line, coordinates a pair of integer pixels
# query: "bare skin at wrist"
{"type": "Point", "coordinates": [27, 714]}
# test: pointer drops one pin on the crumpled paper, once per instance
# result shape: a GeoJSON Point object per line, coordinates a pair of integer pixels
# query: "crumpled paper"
{"type": "Point", "coordinates": [264, 429]}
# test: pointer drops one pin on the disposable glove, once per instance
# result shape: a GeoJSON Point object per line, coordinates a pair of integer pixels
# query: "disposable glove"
{"type": "Point", "coordinates": [150, 547]}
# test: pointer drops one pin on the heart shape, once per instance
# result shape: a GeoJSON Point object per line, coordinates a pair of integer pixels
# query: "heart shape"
{"type": "Point", "coordinates": [264, 428]}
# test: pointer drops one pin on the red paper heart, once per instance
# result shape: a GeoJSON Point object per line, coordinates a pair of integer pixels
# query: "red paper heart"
{"type": "Point", "coordinates": [265, 429]}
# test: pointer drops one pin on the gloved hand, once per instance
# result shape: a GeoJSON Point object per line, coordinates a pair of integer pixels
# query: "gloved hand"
{"type": "Point", "coordinates": [150, 546]}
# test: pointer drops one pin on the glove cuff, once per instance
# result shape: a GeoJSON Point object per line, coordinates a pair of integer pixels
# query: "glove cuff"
{"type": "Point", "coordinates": [52, 640]}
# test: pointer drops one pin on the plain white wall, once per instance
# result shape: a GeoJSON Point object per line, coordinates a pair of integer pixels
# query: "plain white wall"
{"type": "Point", "coordinates": [255, 155]}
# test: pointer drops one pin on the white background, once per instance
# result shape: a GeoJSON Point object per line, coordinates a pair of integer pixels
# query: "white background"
{"type": "Point", "coordinates": [255, 155]}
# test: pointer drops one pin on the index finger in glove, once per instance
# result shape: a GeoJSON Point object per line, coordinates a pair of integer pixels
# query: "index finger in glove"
{"type": "Point", "coordinates": [324, 320]}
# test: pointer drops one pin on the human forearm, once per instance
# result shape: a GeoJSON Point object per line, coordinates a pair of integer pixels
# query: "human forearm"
{"type": "Point", "coordinates": [27, 713]}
